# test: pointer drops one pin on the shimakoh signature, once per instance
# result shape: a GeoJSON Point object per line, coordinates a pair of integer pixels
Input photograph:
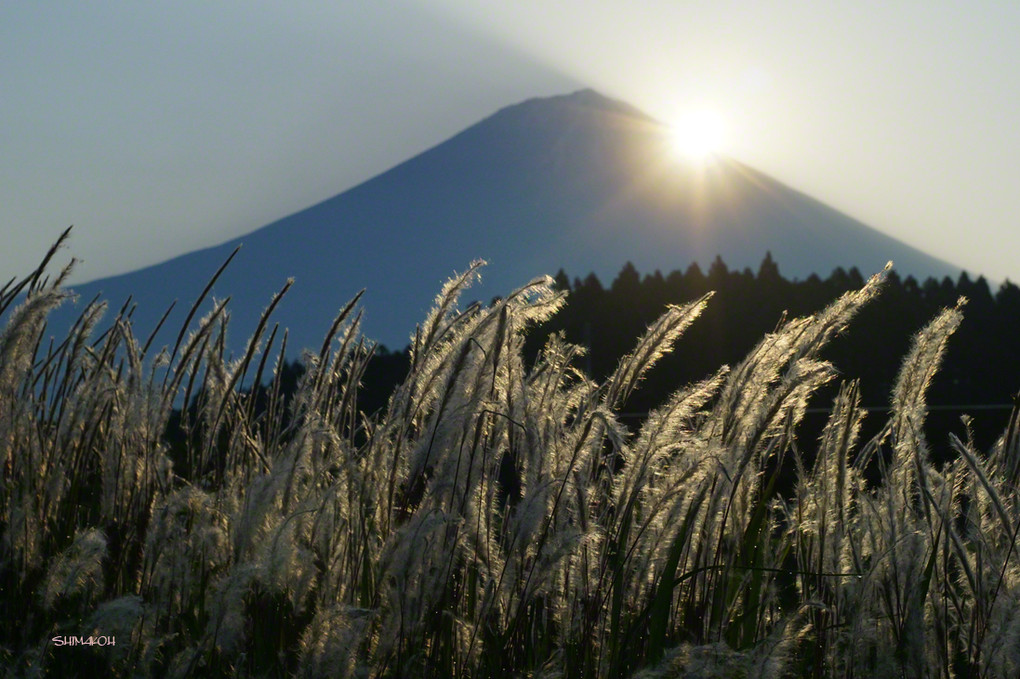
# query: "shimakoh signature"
{"type": "Point", "coordinates": [84, 641]}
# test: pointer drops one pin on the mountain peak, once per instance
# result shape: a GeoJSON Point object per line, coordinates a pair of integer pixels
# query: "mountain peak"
{"type": "Point", "coordinates": [586, 99]}
{"type": "Point", "coordinates": [579, 182]}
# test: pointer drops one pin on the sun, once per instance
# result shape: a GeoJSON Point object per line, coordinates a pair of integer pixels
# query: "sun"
{"type": "Point", "coordinates": [698, 135]}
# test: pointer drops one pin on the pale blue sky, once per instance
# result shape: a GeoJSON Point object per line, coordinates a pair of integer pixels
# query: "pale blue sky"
{"type": "Point", "coordinates": [157, 128]}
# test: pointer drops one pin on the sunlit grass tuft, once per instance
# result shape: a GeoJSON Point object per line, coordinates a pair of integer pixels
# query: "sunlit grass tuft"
{"type": "Point", "coordinates": [496, 518]}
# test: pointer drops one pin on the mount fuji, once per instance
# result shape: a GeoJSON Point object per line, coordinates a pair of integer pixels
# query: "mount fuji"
{"type": "Point", "coordinates": [579, 182]}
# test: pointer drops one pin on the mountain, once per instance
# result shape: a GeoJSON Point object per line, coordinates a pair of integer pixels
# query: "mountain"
{"type": "Point", "coordinates": [579, 182]}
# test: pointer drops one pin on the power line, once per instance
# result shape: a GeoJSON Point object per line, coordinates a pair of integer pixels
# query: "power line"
{"type": "Point", "coordinates": [883, 409]}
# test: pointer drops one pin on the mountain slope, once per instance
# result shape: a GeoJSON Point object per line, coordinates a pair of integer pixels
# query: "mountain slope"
{"type": "Point", "coordinates": [579, 182]}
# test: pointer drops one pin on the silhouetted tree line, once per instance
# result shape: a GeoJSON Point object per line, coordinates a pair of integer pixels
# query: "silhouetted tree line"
{"type": "Point", "coordinates": [981, 368]}
{"type": "Point", "coordinates": [982, 365]}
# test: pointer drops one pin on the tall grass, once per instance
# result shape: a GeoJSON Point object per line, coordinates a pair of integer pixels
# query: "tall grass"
{"type": "Point", "coordinates": [496, 518]}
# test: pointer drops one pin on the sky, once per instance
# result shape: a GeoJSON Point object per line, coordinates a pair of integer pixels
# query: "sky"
{"type": "Point", "coordinates": [158, 128]}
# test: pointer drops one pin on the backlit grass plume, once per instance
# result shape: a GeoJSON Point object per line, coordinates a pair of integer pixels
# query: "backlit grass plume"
{"type": "Point", "coordinates": [496, 518]}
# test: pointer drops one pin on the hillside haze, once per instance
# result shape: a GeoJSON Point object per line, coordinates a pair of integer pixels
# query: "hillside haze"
{"type": "Point", "coordinates": [579, 182]}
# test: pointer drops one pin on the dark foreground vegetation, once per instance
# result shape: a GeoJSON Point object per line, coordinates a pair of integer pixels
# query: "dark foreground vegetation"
{"type": "Point", "coordinates": [498, 516]}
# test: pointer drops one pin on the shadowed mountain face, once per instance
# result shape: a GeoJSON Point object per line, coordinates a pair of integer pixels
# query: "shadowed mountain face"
{"type": "Point", "coordinates": [578, 182]}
